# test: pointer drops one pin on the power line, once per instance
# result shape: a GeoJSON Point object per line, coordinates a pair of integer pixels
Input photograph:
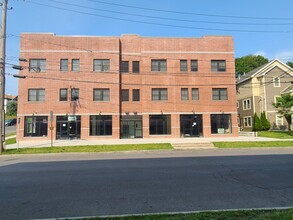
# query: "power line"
{"type": "Point", "coordinates": [161, 24]}
{"type": "Point", "coordinates": [171, 19]}
{"type": "Point", "coordinates": [192, 13]}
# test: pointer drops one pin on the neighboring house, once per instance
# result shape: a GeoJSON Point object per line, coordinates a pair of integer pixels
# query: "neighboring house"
{"type": "Point", "coordinates": [258, 89]}
{"type": "Point", "coordinates": [9, 98]}
{"type": "Point", "coordinates": [88, 87]}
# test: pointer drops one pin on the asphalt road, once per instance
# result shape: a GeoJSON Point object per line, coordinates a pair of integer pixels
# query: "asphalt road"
{"type": "Point", "coordinates": [71, 185]}
{"type": "Point", "coordinates": [10, 129]}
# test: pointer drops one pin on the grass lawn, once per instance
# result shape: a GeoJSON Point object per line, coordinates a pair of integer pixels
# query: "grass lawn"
{"type": "Point", "coordinates": [8, 135]}
{"type": "Point", "coordinates": [251, 144]}
{"type": "Point", "coordinates": [90, 148]}
{"type": "Point", "coordinates": [10, 141]}
{"type": "Point", "coordinates": [276, 134]}
{"type": "Point", "coordinates": [221, 215]}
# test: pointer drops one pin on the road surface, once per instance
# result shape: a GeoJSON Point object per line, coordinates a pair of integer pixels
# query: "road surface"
{"type": "Point", "coordinates": [72, 185]}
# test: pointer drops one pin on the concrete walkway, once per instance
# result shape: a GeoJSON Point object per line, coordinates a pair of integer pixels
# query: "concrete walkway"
{"type": "Point", "coordinates": [178, 143]}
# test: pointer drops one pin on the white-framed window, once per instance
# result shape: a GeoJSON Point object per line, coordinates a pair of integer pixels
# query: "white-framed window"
{"type": "Point", "coordinates": [276, 97]}
{"type": "Point", "coordinates": [277, 82]}
{"type": "Point", "coordinates": [279, 120]}
{"type": "Point", "coordinates": [247, 121]}
{"type": "Point", "coordinates": [246, 104]}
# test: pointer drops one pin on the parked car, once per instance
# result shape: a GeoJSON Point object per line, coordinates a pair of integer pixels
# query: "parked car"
{"type": "Point", "coordinates": [10, 122]}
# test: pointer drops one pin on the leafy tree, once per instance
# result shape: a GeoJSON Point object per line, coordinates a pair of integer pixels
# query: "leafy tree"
{"type": "Point", "coordinates": [290, 64]}
{"type": "Point", "coordinates": [11, 108]}
{"type": "Point", "coordinates": [264, 122]}
{"type": "Point", "coordinates": [247, 63]}
{"type": "Point", "coordinates": [284, 104]}
{"type": "Point", "coordinates": [256, 123]}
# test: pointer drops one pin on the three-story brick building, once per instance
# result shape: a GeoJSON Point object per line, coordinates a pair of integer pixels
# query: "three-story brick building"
{"type": "Point", "coordinates": [88, 87]}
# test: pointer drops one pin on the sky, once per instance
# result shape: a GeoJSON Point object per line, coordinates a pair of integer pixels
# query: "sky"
{"type": "Point", "coordinates": [259, 27]}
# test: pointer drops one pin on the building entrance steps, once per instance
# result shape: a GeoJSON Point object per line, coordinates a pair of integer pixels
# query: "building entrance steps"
{"type": "Point", "coordinates": [185, 146]}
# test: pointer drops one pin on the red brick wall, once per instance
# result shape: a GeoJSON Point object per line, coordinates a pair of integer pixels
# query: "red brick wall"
{"type": "Point", "coordinates": [133, 48]}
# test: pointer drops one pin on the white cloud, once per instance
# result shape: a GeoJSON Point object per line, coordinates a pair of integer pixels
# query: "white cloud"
{"type": "Point", "coordinates": [262, 53]}
{"type": "Point", "coordinates": [284, 56]}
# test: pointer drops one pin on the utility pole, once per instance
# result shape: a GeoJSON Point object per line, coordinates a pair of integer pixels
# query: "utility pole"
{"type": "Point", "coordinates": [2, 74]}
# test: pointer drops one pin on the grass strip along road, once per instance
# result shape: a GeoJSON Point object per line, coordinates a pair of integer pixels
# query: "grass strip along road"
{"type": "Point", "coordinates": [217, 215]}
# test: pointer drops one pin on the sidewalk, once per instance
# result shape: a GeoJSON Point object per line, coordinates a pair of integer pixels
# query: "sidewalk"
{"type": "Point", "coordinates": [180, 143]}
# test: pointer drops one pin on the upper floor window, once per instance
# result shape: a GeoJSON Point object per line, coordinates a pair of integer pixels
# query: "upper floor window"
{"type": "Point", "coordinates": [246, 104]}
{"type": "Point", "coordinates": [159, 94]}
{"type": "Point", "coordinates": [63, 95]}
{"type": "Point", "coordinates": [218, 65]}
{"type": "Point", "coordinates": [36, 95]}
{"type": "Point", "coordinates": [183, 65]}
{"type": "Point", "coordinates": [37, 65]}
{"type": "Point", "coordinates": [75, 65]}
{"type": "Point", "coordinates": [102, 95]}
{"type": "Point", "coordinates": [124, 67]}
{"type": "Point", "coordinates": [64, 65]}
{"type": "Point", "coordinates": [194, 65]}
{"type": "Point", "coordinates": [220, 94]}
{"type": "Point", "coordinates": [135, 66]}
{"type": "Point", "coordinates": [101, 65]}
{"type": "Point", "coordinates": [74, 94]}
{"type": "Point", "coordinates": [159, 65]}
{"type": "Point", "coordinates": [184, 94]}
{"type": "Point", "coordinates": [195, 94]}
{"type": "Point", "coordinates": [277, 82]}
{"type": "Point", "coordinates": [136, 95]}
{"type": "Point", "coordinates": [125, 95]}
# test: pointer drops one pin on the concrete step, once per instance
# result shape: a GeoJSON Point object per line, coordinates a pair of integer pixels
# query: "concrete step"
{"type": "Point", "coordinates": [205, 145]}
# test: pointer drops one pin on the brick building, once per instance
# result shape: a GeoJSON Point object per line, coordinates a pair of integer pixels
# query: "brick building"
{"type": "Point", "coordinates": [88, 87]}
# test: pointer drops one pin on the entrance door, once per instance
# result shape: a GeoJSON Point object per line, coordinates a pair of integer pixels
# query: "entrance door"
{"type": "Point", "coordinates": [191, 125]}
{"type": "Point", "coordinates": [68, 127]}
{"type": "Point", "coordinates": [131, 127]}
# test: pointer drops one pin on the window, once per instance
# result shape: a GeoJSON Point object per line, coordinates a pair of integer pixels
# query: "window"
{"type": "Point", "coordinates": [220, 94]}
{"type": "Point", "coordinates": [75, 65]}
{"type": "Point", "coordinates": [74, 94]}
{"type": "Point", "coordinates": [221, 123]}
{"type": "Point", "coordinates": [247, 121]}
{"type": "Point", "coordinates": [277, 82]}
{"type": "Point", "coordinates": [64, 65]}
{"type": "Point", "coordinates": [276, 97]}
{"type": "Point", "coordinates": [159, 65]}
{"type": "Point", "coordinates": [100, 125]}
{"type": "Point", "coordinates": [35, 126]}
{"type": "Point", "coordinates": [183, 65]}
{"type": "Point", "coordinates": [218, 65]}
{"type": "Point", "coordinates": [160, 124]}
{"type": "Point", "coordinates": [135, 95]}
{"type": "Point", "coordinates": [101, 65]}
{"type": "Point", "coordinates": [237, 104]}
{"type": "Point", "coordinates": [125, 95]}
{"type": "Point", "coordinates": [37, 65]}
{"type": "Point", "coordinates": [246, 104]}
{"type": "Point", "coordinates": [63, 95]}
{"type": "Point", "coordinates": [195, 94]}
{"type": "Point", "coordinates": [124, 67]}
{"type": "Point", "coordinates": [279, 120]}
{"type": "Point", "coordinates": [194, 66]}
{"type": "Point", "coordinates": [184, 94]}
{"type": "Point", "coordinates": [135, 66]}
{"type": "Point", "coordinates": [159, 94]}
{"type": "Point", "coordinates": [101, 95]}
{"type": "Point", "coordinates": [36, 95]}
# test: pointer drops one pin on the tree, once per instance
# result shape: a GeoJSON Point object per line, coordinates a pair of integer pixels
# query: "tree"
{"type": "Point", "coordinates": [256, 123]}
{"type": "Point", "coordinates": [11, 108]}
{"type": "Point", "coordinates": [284, 104]}
{"type": "Point", "coordinates": [264, 122]}
{"type": "Point", "coordinates": [290, 64]}
{"type": "Point", "coordinates": [247, 63]}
